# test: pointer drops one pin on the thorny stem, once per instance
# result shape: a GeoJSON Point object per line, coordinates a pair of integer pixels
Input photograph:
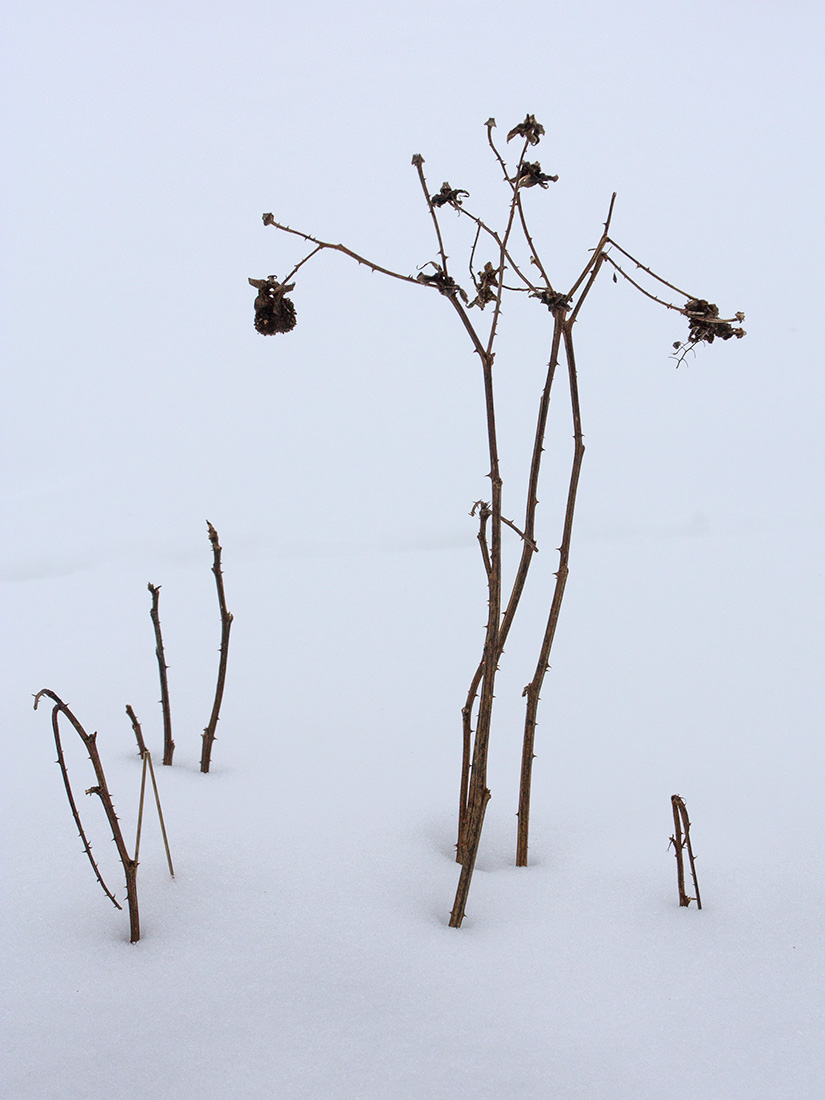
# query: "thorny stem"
{"type": "Point", "coordinates": [639, 287]}
{"type": "Point", "coordinates": [534, 256]}
{"type": "Point", "coordinates": [650, 272]}
{"type": "Point", "coordinates": [528, 549]}
{"type": "Point", "coordinates": [168, 743]}
{"type": "Point", "coordinates": [141, 744]}
{"type": "Point", "coordinates": [533, 689]}
{"type": "Point", "coordinates": [269, 220]}
{"type": "Point", "coordinates": [597, 252]}
{"type": "Point", "coordinates": [528, 285]}
{"type": "Point", "coordinates": [226, 623]}
{"type": "Point", "coordinates": [418, 161]}
{"type": "Point", "coordinates": [102, 791]}
{"type": "Point", "coordinates": [681, 840]}
{"type": "Point", "coordinates": [300, 264]}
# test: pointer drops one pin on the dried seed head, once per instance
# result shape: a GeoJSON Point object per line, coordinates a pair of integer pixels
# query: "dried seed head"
{"type": "Point", "coordinates": [529, 129]}
{"type": "Point", "coordinates": [273, 312]}
{"type": "Point", "coordinates": [531, 174]}
{"type": "Point", "coordinates": [447, 194]}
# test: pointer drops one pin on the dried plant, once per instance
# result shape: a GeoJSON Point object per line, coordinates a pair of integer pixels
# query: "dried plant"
{"type": "Point", "coordinates": [226, 623]}
{"type": "Point", "coordinates": [101, 789]}
{"type": "Point", "coordinates": [273, 312]}
{"type": "Point", "coordinates": [530, 276]}
{"type": "Point", "coordinates": [168, 743]}
{"type": "Point", "coordinates": [681, 844]}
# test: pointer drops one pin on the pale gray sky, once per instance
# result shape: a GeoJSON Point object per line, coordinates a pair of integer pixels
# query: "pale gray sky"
{"type": "Point", "coordinates": [144, 142]}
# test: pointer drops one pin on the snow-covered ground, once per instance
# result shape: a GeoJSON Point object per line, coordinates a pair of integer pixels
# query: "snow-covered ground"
{"type": "Point", "coordinates": [302, 950]}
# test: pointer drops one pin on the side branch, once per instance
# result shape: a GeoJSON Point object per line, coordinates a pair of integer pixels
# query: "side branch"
{"type": "Point", "coordinates": [269, 220]}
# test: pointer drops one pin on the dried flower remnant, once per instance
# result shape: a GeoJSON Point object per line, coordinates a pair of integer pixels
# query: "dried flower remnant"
{"type": "Point", "coordinates": [448, 195]}
{"type": "Point", "coordinates": [445, 283]}
{"type": "Point", "coordinates": [486, 282]}
{"type": "Point", "coordinates": [530, 174]}
{"type": "Point", "coordinates": [706, 325]}
{"type": "Point", "coordinates": [529, 129]}
{"type": "Point", "coordinates": [273, 312]}
{"type": "Point", "coordinates": [551, 299]}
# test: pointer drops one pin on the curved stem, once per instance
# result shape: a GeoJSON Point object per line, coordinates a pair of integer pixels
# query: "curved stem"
{"type": "Point", "coordinates": [102, 791]}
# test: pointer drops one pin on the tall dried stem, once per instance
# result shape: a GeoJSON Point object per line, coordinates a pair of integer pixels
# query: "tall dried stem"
{"type": "Point", "coordinates": [226, 623]}
{"type": "Point", "coordinates": [168, 743]}
{"type": "Point", "coordinates": [533, 690]}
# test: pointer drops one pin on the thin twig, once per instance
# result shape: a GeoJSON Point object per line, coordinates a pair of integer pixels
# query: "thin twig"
{"type": "Point", "coordinates": [160, 814]}
{"type": "Point", "coordinates": [226, 623]}
{"type": "Point", "coordinates": [140, 805]}
{"type": "Point", "coordinates": [418, 161]}
{"type": "Point", "coordinates": [147, 760]}
{"type": "Point", "coordinates": [597, 252]}
{"type": "Point", "coordinates": [269, 220]}
{"type": "Point", "coordinates": [141, 744]}
{"type": "Point", "coordinates": [639, 287]}
{"type": "Point", "coordinates": [168, 743]}
{"type": "Point", "coordinates": [649, 271]}
{"type": "Point", "coordinates": [299, 265]}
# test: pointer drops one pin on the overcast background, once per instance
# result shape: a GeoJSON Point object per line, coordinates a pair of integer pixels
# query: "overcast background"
{"type": "Point", "coordinates": [339, 462]}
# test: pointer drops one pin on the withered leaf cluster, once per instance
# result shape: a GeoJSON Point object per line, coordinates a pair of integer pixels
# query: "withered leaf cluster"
{"type": "Point", "coordinates": [485, 283]}
{"type": "Point", "coordinates": [447, 194]}
{"type": "Point", "coordinates": [529, 129]}
{"type": "Point", "coordinates": [273, 312]}
{"type": "Point", "coordinates": [551, 299]}
{"type": "Point", "coordinates": [445, 283]}
{"type": "Point", "coordinates": [530, 174]}
{"type": "Point", "coordinates": [705, 324]}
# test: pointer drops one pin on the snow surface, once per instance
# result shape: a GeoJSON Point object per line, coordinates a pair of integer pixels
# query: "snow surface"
{"type": "Point", "coordinates": [302, 951]}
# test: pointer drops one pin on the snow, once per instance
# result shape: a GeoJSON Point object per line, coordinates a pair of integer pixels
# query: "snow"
{"type": "Point", "coordinates": [302, 950]}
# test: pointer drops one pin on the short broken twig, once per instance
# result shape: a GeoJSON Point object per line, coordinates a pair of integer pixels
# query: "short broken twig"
{"type": "Point", "coordinates": [681, 842]}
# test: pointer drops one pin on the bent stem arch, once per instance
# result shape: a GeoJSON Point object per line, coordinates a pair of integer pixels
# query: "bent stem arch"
{"type": "Point", "coordinates": [101, 789]}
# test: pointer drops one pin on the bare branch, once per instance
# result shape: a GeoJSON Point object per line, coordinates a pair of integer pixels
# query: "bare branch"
{"type": "Point", "coordinates": [269, 220]}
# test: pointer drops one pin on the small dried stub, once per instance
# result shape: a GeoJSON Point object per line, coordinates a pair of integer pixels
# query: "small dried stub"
{"type": "Point", "coordinates": [529, 129]}
{"type": "Point", "coordinates": [273, 312]}
{"type": "Point", "coordinates": [531, 174]}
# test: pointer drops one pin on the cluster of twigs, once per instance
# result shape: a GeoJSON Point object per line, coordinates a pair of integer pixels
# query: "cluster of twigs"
{"type": "Point", "coordinates": [209, 733]}
{"type": "Point", "coordinates": [564, 306]}
{"type": "Point", "coordinates": [130, 863]}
